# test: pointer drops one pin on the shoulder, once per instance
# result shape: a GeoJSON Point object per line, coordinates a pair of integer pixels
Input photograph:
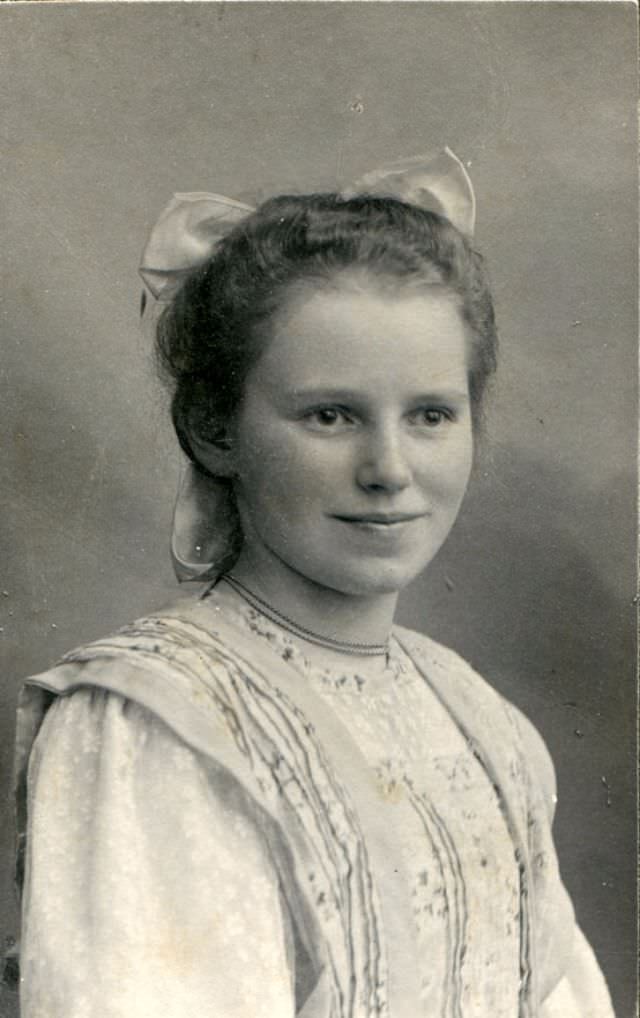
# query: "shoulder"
{"type": "Point", "coordinates": [451, 673]}
{"type": "Point", "coordinates": [167, 663]}
{"type": "Point", "coordinates": [157, 641]}
{"type": "Point", "coordinates": [462, 686]}
{"type": "Point", "coordinates": [90, 721]}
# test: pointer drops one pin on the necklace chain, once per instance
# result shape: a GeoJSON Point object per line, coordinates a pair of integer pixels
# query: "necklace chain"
{"type": "Point", "coordinates": [370, 649]}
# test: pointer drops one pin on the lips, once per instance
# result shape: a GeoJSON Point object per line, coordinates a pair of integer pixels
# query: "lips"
{"type": "Point", "coordinates": [382, 519]}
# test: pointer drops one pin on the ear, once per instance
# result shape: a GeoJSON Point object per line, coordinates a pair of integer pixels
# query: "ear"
{"type": "Point", "coordinates": [215, 452]}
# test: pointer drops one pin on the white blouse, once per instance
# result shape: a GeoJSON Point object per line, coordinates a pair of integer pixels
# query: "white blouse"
{"type": "Point", "coordinates": [151, 891]}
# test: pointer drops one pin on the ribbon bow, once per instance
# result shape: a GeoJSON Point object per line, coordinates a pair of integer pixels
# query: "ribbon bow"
{"type": "Point", "coordinates": [190, 227]}
{"type": "Point", "coordinates": [206, 527]}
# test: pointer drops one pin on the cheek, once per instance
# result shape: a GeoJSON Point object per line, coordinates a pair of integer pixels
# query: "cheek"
{"type": "Point", "coordinates": [285, 477]}
{"type": "Point", "coordinates": [462, 461]}
{"type": "Point", "coordinates": [447, 469]}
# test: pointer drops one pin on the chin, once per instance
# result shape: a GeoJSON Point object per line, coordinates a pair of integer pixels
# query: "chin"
{"type": "Point", "coordinates": [378, 579]}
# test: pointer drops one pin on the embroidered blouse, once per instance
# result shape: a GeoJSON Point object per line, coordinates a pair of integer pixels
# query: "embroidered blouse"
{"type": "Point", "coordinates": [244, 869]}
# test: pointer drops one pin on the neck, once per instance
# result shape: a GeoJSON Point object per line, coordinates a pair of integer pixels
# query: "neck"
{"type": "Point", "coordinates": [350, 618]}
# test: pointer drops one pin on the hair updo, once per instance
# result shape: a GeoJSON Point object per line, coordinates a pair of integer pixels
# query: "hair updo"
{"type": "Point", "coordinates": [214, 329]}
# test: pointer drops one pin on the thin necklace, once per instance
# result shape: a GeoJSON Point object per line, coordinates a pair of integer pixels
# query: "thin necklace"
{"type": "Point", "coordinates": [280, 619]}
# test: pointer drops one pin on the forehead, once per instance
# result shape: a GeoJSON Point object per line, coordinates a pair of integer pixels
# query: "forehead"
{"type": "Point", "coordinates": [364, 334]}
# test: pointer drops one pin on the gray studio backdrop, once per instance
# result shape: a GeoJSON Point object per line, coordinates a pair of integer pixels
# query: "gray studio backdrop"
{"type": "Point", "coordinates": [108, 109]}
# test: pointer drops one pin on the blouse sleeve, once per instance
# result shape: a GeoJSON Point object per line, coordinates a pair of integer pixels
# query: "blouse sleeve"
{"type": "Point", "coordinates": [571, 982]}
{"type": "Point", "coordinates": [149, 890]}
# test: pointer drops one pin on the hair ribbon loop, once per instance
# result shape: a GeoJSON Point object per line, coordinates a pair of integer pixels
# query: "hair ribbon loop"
{"type": "Point", "coordinates": [185, 236]}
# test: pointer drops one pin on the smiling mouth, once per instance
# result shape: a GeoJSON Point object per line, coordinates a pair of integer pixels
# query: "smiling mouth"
{"type": "Point", "coordinates": [381, 519]}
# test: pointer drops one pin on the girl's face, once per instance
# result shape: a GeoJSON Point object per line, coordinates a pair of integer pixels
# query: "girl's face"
{"type": "Point", "coordinates": [352, 447]}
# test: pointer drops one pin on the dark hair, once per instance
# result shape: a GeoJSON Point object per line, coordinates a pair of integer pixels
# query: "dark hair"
{"type": "Point", "coordinates": [209, 336]}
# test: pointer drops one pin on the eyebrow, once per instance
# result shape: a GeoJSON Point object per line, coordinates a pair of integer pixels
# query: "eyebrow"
{"type": "Point", "coordinates": [352, 395]}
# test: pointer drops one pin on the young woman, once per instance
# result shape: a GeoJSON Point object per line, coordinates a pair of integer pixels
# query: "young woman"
{"type": "Point", "coordinates": [268, 799]}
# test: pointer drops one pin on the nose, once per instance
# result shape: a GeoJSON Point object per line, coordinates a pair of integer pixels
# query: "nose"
{"type": "Point", "coordinates": [383, 466]}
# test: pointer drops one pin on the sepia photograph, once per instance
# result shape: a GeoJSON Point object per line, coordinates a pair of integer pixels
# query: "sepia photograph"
{"type": "Point", "coordinates": [319, 352]}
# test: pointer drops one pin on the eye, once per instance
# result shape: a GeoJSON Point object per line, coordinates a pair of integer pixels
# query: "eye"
{"type": "Point", "coordinates": [431, 417]}
{"type": "Point", "coordinates": [328, 418]}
